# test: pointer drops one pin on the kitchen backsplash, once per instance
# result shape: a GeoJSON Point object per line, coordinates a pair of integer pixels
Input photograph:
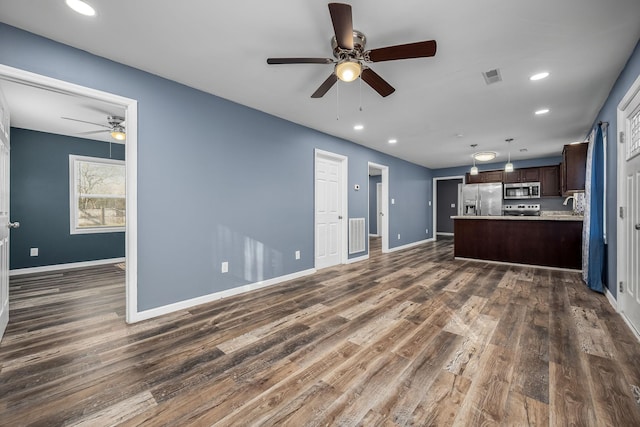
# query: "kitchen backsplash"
{"type": "Point", "coordinates": [546, 203]}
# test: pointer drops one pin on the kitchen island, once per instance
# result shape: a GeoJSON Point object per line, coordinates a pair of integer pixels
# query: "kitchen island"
{"type": "Point", "coordinates": [549, 241]}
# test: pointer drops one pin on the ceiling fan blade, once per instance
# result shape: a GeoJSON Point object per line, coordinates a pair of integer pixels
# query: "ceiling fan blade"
{"type": "Point", "coordinates": [84, 121]}
{"type": "Point", "coordinates": [274, 61]}
{"type": "Point", "coordinates": [324, 87]}
{"type": "Point", "coordinates": [378, 84]}
{"type": "Point", "coordinates": [342, 24]}
{"type": "Point", "coordinates": [403, 51]}
{"type": "Point", "coordinates": [92, 132]}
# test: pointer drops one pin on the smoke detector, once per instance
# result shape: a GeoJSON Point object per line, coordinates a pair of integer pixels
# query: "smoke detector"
{"type": "Point", "coordinates": [492, 76]}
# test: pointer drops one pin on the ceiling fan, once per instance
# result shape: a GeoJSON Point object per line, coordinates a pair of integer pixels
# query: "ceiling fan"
{"type": "Point", "coordinates": [115, 127]}
{"type": "Point", "coordinates": [351, 58]}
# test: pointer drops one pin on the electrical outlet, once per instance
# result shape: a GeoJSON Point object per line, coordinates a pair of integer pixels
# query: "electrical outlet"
{"type": "Point", "coordinates": [429, 202]}
{"type": "Point", "coordinates": [297, 254]}
{"type": "Point", "coordinates": [33, 252]}
{"type": "Point", "coordinates": [427, 231]}
{"type": "Point", "coordinates": [225, 267]}
{"type": "Point", "coordinates": [398, 236]}
{"type": "Point", "coordinates": [393, 201]}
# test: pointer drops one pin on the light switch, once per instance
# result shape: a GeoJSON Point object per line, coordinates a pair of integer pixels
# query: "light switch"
{"type": "Point", "coordinates": [393, 201]}
{"type": "Point", "coordinates": [453, 205]}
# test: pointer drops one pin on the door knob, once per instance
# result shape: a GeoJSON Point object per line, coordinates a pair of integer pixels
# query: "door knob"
{"type": "Point", "coordinates": [14, 224]}
{"type": "Point", "coordinates": [381, 213]}
{"type": "Point", "coordinates": [339, 216]}
{"type": "Point", "coordinates": [637, 226]}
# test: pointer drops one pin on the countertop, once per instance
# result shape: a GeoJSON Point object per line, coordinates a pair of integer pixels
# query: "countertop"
{"type": "Point", "coordinates": [525, 218]}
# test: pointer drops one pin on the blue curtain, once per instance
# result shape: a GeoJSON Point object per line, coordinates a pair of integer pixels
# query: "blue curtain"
{"type": "Point", "coordinates": [595, 255]}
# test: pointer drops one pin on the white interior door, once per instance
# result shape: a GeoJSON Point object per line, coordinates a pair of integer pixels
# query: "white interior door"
{"type": "Point", "coordinates": [630, 296]}
{"type": "Point", "coordinates": [4, 214]}
{"type": "Point", "coordinates": [328, 205]}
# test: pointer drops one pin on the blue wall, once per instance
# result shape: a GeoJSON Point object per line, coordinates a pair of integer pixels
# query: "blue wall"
{"type": "Point", "coordinates": [40, 201]}
{"type": "Point", "coordinates": [202, 193]}
{"type": "Point", "coordinates": [373, 203]}
{"type": "Point", "coordinates": [608, 113]}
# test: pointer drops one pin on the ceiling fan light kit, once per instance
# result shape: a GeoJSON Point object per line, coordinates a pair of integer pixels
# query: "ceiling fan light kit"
{"type": "Point", "coordinates": [348, 70]}
{"type": "Point", "coordinates": [118, 133]}
{"type": "Point", "coordinates": [350, 56]}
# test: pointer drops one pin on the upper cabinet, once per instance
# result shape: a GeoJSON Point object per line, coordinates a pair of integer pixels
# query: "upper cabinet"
{"type": "Point", "coordinates": [522, 175]}
{"type": "Point", "coordinates": [550, 181]}
{"type": "Point", "coordinates": [573, 168]}
{"type": "Point", "coordinates": [484, 177]}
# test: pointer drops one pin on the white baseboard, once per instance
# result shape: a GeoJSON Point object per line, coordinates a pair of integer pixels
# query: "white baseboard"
{"type": "Point", "coordinates": [441, 233]}
{"type": "Point", "coordinates": [374, 235]}
{"type": "Point", "coordinates": [58, 267]}
{"type": "Point", "coordinates": [611, 299]}
{"type": "Point", "coordinates": [358, 259]}
{"type": "Point", "coordinates": [410, 245]}
{"type": "Point", "coordinates": [170, 308]}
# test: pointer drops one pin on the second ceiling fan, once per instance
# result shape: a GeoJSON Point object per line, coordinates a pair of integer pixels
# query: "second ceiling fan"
{"type": "Point", "coordinates": [351, 58]}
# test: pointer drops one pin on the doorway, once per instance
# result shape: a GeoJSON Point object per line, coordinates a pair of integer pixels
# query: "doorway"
{"type": "Point", "coordinates": [446, 199]}
{"type": "Point", "coordinates": [378, 203]}
{"type": "Point", "coordinates": [628, 223]}
{"type": "Point", "coordinates": [48, 84]}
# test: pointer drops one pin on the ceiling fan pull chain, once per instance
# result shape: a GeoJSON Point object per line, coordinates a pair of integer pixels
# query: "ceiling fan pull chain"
{"type": "Point", "coordinates": [338, 101]}
{"type": "Point", "coordinates": [360, 90]}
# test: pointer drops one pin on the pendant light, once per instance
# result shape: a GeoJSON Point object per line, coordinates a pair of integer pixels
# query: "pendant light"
{"type": "Point", "coordinates": [509, 166]}
{"type": "Point", "coordinates": [474, 168]}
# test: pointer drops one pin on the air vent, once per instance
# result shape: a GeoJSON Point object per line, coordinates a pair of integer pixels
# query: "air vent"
{"type": "Point", "coordinates": [356, 235]}
{"type": "Point", "coordinates": [492, 76]}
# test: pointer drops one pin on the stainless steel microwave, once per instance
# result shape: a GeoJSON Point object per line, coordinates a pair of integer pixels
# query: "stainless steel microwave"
{"type": "Point", "coordinates": [522, 190]}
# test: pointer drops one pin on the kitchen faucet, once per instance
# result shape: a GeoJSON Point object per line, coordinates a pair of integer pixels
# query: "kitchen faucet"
{"type": "Point", "coordinates": [567, 201]}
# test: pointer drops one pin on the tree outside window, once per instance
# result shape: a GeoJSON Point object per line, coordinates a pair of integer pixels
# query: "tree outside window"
{"type": "Point", "coordinates": [98, 194]}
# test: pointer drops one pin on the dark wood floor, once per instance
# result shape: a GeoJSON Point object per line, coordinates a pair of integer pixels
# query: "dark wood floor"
{"type": "Point", "coordinates": [409, 338]}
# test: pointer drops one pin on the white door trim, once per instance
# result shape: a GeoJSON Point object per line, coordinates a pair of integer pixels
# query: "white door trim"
{"type": "Point", "coordinates": [343, 186]}
{"type": "Point", "coordinates": [385, 204]}
{"type": "Point", "coordinates": [378, 208]}
{"type": "Point", "coordinates": [621, 231]}
{"type": "Point", "coordinates": [435, 198]}
{"type": "Point", "coordinates": [131, 154]}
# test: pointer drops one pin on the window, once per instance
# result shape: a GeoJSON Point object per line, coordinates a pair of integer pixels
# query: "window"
{"type": "Point", "coordinates": [97, 193]}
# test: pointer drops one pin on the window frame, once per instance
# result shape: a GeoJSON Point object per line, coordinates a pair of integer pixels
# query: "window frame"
{"type": "Point", "coordinates": [73, 196]}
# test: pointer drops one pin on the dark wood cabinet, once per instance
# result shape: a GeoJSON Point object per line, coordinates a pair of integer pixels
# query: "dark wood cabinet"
{"type": "Point", "coordinates": [530, 175]}
{"type": "Point", "coordinates": [522, 175]}
{"type": "Point", "coordinates": [535, 241]}
{"type": "Point", "coordinates": [550, 181]}
{"type": "Point", "coordinates": [484, 177]}
{"type": "Point", "coordinates": [492, 176]}
{"type": "Point", "coordinates": [510, 177]}
{"type": "Point", "coordinates": [573, 168]}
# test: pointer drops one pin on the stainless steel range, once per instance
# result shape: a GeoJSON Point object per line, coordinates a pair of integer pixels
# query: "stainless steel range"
{"type": "Point", "coordinates": [528, 209]}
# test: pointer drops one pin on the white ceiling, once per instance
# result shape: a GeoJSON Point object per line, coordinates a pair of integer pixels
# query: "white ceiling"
{"type": "Point", "coordinates": [441, 105]}
{"type": "Point", "coordinates": [42, 110]}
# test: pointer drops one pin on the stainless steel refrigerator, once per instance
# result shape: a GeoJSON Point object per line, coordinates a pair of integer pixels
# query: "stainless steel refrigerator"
{"type": "Point", "coordinates": [482, 199]}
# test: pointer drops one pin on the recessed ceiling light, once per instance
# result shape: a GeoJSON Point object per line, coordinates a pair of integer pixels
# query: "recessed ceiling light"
{"type": "Point", "coordinates": [393, 141]}
{"type": "Point", "coordinates": [358, 127]}
{"type": "Point", "coordinates": [543, 111]}
{"type": "Point", "coordinates": [81, 7]}
{"type": "Point", "coordinates": [539, 76]}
